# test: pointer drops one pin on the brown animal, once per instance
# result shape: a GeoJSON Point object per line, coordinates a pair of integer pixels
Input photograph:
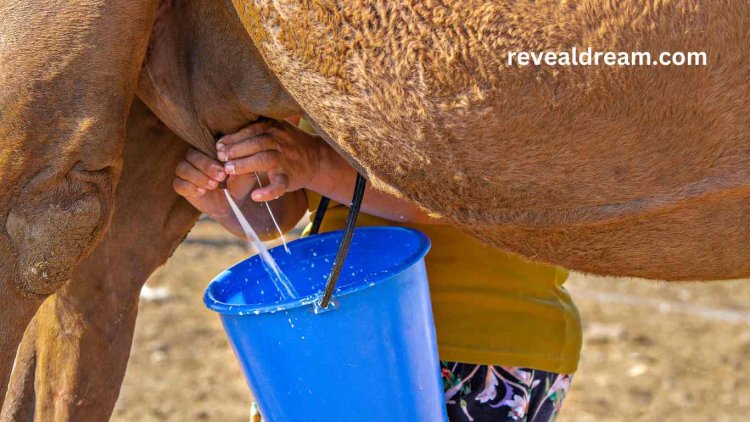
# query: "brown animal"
{"type": "Point", "coordinates": [626, 171]}
{"type": "Point", "coordinates": [203, 77]}
{"type": "Point", "coordinates": [638, 171]}
{"type": "Point", "coordinates": [79, 341]}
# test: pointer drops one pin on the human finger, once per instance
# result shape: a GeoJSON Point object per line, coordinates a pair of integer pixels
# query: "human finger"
{"type": "Point", "coordinates": [278, 185]}
{"type": "Point", "coordinates": [247, 147]}
{"type": "Point", "coordinates": [186, 189]}
{"type": "Point", "coordinates": [262, 161]}
{"type": "Point", "coordinates": [206, 164]}
{"type": "Point", "coordinates": [187, 172]}
{"type": "Point", "coordinates": [253, 129]}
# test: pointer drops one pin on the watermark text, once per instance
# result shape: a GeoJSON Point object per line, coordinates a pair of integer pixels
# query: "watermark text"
{"type": "Point", "coordinates": [587, 57]}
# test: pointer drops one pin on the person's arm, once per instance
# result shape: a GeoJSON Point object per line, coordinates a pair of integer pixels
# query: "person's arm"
{"type": "Point", "coordinates": [296, 159]}
{"type": "Point", "coordinates": [335, 179]}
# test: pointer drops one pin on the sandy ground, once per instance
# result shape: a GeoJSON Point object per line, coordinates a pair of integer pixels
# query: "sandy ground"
{"type": "Point", "coordinates": [652, 352]}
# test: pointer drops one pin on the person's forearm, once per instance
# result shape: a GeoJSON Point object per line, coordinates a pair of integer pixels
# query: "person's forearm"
{"type": "Point", "coordinates": [335, 179]}
{"type": "Point", "coordinates": [288, 210]}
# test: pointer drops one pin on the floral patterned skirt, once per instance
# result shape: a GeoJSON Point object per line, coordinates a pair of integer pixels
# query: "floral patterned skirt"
{"type": "Point", "coordinates": [479, 393]}
{"type": "Point", "coordinates": [502, 393]}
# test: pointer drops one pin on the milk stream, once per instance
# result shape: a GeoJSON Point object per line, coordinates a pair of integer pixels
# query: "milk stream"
{"type": "Point", "coordinates": [278, 277]}
{"type": "Point", "coordinates": [273, 218]}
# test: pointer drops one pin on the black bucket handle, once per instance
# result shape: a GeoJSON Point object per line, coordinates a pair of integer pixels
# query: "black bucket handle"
{"type": "Point", "coordinates": [346, 239]}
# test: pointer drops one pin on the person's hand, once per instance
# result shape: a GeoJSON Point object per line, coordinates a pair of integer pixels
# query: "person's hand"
{"type": "Point", "coordinates": [289, 155]}
{"type": "Point", "coordinates": [197, 178]}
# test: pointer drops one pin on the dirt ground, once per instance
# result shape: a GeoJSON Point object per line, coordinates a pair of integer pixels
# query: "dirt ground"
{"type": "Point", "coordinates": [652, 352]}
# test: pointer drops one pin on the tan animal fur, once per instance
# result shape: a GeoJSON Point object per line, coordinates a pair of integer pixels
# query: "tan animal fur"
{"type": "Point", "coordinates": [640, 171]}
{"type": "Point", "coordinates": [202, 77]}
{"type": "Point", "coordinates": [78, 344]}
{"type": "Point", "coordinates": [68, 72]}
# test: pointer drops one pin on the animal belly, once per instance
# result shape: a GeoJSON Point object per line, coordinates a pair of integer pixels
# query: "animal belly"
{"type": "Point", "coordinates": [638, 171]}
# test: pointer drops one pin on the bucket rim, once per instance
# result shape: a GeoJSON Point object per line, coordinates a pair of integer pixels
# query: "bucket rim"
{"type": "Point", "coordinates": [223, 308]}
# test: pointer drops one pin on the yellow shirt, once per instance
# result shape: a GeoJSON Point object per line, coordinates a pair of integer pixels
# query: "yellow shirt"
{"type": "Point", "coordinates": [490, 307]}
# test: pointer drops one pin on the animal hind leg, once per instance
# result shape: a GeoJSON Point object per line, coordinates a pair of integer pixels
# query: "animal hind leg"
{"type": "Point", "coordinates": [68, 73]}
{"type": "Point", "coordinates": [82, 335]}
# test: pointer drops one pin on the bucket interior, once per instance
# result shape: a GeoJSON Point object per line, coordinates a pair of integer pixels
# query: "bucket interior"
{"type": "Point", "coordinates": [376, 255]}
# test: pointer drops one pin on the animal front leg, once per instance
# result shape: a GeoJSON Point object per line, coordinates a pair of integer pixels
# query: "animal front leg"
{"type": "Point", "coordinates": [68, 72]}
{"type": "Point", "coordinates": [81, 336]}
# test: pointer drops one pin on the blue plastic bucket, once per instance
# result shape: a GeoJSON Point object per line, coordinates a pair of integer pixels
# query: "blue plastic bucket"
{"type": "Point", "coordinates": [371, 358]}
